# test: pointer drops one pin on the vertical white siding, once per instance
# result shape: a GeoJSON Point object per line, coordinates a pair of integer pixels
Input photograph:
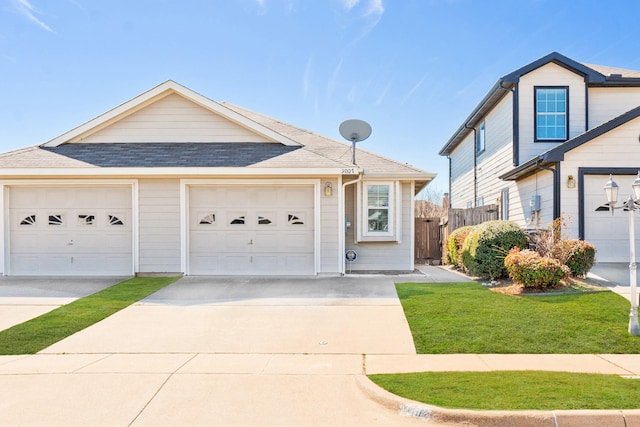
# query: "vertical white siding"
{"type": "Point", "coordinates": [548, 75]}
{"type": "Point", "coordinates": [173, 119]}
{"type": "Point", "coordinates": [608, 103]}
{"type": "Point", "coordinates": [330, 258]}
{"type": "Point", "coordinates": [159, 225]}
{"type": "Point", "coordinates": [382, 256]}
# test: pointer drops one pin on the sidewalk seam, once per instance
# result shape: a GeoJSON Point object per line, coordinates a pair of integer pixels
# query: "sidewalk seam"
{"type": "Point", "coordinates": [166, 380]}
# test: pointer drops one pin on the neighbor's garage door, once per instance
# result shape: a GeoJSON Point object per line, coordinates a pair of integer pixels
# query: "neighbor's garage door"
{"type": "Point", "coordinates": [609, 234]}
{"type": "Point", "coordinates": [70, 231]}
{"type": "Point", "coordinates": [237, 230]}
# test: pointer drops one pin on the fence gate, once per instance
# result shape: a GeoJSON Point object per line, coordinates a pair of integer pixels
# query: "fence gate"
{"type": "Point", "coordinates": [428, 246]}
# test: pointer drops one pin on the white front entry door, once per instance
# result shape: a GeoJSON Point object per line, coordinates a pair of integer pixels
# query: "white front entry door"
{"type": "Point", "coordinates": [70, 231]}
{"type": "Point", "coordinates": [251, 230]}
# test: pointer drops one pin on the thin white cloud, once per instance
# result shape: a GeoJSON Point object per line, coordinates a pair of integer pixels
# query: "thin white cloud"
{"type": "Point", "coordinates": [28, 10]}
{"type": "Point", "coordinates": [382, 95]}
{"type": "Point", "coordinates": [306, 78]}
{"type": "Point", "coordinates": [375, 8]}
{"type": "Point", "coordinates": [412, 91]}
{"type": "Point", "coordinates": [331, 86]}
{"type": "Point", "coordinates": [350, 4]}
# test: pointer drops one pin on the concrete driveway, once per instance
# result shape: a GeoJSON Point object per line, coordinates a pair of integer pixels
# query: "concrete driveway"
{"type": "Point", "coordinates": [256, 316]}
{"type": "Point", "coordinates": [220, 351]}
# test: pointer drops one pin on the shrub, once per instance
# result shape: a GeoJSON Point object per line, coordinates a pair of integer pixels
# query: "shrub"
{"type": "Point", "coordinates": [578, 255]}
{"type": "Point", "coordinates": [485, 248]}
{"type": "Point", "coordinates": [454, 244]}
{"type": "Point", "coordinates": [534, 271]}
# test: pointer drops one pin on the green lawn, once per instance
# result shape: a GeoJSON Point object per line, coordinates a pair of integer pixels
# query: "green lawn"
{"type": "Point", "coordinates": [39, 333]}
{"type": "Point", "coordinates": [450, 318]}
{"type": "Point", "coordinates": [510, 390]}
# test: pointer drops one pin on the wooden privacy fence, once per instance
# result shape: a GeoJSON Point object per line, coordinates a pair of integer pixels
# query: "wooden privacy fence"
{"type": "Point", "coordinates": [428, 245]}
{"type": "Point", "coordinates": [472, 216]}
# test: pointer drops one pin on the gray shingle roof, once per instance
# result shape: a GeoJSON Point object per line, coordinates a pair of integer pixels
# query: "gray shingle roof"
{"type": "Point", "coordinates": [171, 155]}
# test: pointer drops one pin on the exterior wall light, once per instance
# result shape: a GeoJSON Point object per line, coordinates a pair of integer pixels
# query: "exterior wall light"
{"type": "Point", "coordinates": [328, 190]}
{"type": "Point", "coordinates": [571, 182]}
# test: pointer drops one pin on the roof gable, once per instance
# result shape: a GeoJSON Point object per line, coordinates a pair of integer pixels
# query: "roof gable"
{"type": "Point", "coordinates": [219, 122]}
{"type": "Point", "coordinates": [590, 75]}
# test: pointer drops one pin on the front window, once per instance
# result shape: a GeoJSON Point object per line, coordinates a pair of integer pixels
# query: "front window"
{"type": "Point", "coordinates": [552, 106]}
{"type": "Point", "coordinates": [378, 210]}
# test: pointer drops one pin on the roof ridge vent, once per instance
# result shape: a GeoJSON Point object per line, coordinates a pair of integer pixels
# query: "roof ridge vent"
{"type": "Point", "coordinates": [615, 75]}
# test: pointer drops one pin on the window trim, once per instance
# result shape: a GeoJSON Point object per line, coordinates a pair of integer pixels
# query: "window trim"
{"type": "Point", "coordinates": [394, 209]}
{"type": "Point", "coordinates": [481, 141]}
{"type": "Point", "coordinates": [535, 114]}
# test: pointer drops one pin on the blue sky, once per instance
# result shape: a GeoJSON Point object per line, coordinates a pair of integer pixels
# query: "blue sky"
{"type": "Point", "coordinates": [414, 69]}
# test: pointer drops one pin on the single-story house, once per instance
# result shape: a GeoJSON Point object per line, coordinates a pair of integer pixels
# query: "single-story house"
{"type": "Point", "coordinates": [542, 143]}
{"type": "Point", "coordinates": [173, 182]}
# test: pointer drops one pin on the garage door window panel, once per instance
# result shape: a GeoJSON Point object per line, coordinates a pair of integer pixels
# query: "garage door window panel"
{"type": "Point", "coordinates": [116, 220]}
{"type": "Point", "coordinates": [208, 219]}
{"type": "Point", "coordinates": [29, 220]}
{"type": "Point", "coordinates": [56, 219]}
{"type": "Point", "coordinates": [295, 219]}
{"type": "Point", "coordinates": [86, 220]}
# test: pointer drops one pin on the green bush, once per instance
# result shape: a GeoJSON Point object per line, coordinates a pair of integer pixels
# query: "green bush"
{"type": "Point", "coordinates": [534, 271]}
{"type": "Point", "coordinates": [454, 244]}
{"type": "Point", "coordinates": [578, 255]}
{"type": "Point", "coordinates": [485, 248]}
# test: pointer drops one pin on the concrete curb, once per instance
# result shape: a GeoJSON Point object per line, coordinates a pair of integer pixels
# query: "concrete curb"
{"type": "Point", "coordinates": [468, 418]}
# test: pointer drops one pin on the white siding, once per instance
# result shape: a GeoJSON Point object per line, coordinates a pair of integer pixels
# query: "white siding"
{"type": "Point", "coordinates": [541, 184]}
{"type": "Point", "coordinates": [496, 159]}
{"type": "Point", "coordinates": [623, 151]}
{"type": "Point", "coordinates": [159, 225]}
{"type": "Point", "coordinates": [610, 102]}
{"type": "Point", "coordinates": [382, 256]}
{"type": "Point", "coordinates": [173, 119]}
{"type": "Point", "coordinates": [330, 257]}
{"type": "Point", "coordinates": [462, 173]}
{"type": "Point", "coordinates": [548, 75]}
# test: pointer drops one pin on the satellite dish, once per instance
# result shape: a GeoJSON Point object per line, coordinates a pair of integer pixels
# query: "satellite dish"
{"type": "Point", "coordinates": [355, 130]}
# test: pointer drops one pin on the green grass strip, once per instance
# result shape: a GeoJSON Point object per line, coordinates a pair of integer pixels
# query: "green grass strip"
{"type": "Point", "coordinates": [39, 333]}
{"type": "Point", "coordinates": [515, 390]}
{"type": "Point", "coordinates": [467, 318]}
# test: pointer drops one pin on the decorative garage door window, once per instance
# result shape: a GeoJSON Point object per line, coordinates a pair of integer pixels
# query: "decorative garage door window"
{"type": "Point", "coordinates": [263, 220]}
{"type": "Point", "coordinates": [294, 220]}
{"type": "Point", "coordinates": [86, 219]}
{"type": "Point", "coordinates": [238, 221]}
{"type": "Point", "coordinates": [55, 219]}
{"type": "Point", "coordinates": [208, 219]}
{"type": "Point", "coordinates": [29, 220]}
{"type": "Point", "coordinates": [114, 220]}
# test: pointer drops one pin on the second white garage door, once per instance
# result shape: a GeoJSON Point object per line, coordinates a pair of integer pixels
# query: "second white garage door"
{"type": "Point", "coordinates": [608, 233]}
{"type": "Point", "coordinates": [237, 230]}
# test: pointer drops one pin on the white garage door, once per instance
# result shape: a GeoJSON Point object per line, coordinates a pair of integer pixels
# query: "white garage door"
{"type": "Point", "coordinates": [236, 230]}
{"type": "Point", "coordinates": [609, 234]}
{"type": "Point", "coordinates": [70, 231]}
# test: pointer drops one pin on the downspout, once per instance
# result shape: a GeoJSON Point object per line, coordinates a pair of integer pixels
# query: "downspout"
{"type": "Point", "coordinates": [450, 176]}
{"type": "Point", "coordinates": [556, 187]}
{"type": "Point", "coordinates": [475, 164]}
{"type": "Point", "coordinates": [355, 214]}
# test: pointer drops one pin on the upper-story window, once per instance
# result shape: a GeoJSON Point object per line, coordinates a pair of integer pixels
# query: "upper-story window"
{"type": "Point", "coordinates": [551, 113]}
{"type": "Point", "coordinates": [480, 139]}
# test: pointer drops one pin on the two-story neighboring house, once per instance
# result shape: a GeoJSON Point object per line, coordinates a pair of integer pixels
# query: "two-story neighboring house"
{"type": "Point", "coordinates": [542, 143]}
